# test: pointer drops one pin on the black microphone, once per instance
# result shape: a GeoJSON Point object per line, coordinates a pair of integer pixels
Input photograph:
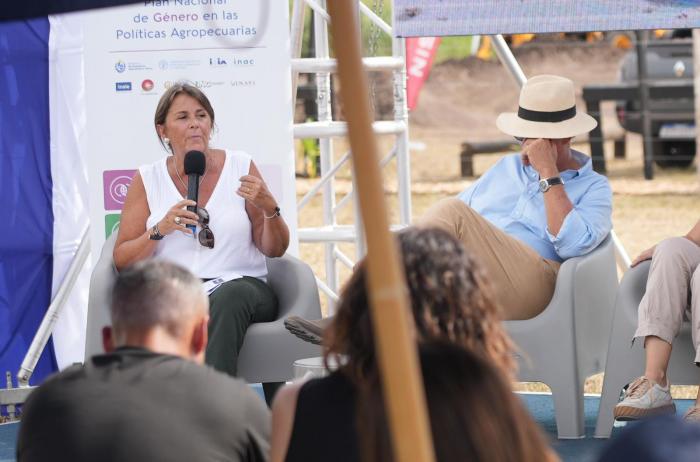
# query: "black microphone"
{"type": "Point", "coordinates": [195, 165]}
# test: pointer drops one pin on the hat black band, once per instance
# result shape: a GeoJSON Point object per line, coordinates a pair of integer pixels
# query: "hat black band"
{"type": "Point", "coordinates": [541, 116]}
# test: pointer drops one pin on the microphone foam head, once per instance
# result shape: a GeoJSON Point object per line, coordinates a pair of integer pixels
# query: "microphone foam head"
{"type": "Point", "coordinates": [195, 163]}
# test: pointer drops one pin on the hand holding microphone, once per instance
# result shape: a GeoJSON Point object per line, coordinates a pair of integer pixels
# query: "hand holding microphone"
{"type": "Point", "coordinates": [177, 218]}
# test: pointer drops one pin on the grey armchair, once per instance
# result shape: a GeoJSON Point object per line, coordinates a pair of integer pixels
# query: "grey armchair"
{"type": "Point", "coordinates": [567, 342]}
{"type": "Point", "coordinates": [268, 352]}
{"type": "Point", "coordinates": [625, 360]}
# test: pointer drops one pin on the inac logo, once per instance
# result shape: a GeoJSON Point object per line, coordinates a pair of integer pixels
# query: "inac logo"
{"type": "Point", "coordinates": [217, 62]}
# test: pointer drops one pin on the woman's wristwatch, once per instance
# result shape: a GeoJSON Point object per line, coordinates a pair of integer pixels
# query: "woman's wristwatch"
{"type": "Point", "coordinates": [274, 215]}
{"type": "Point", "coordinates": [155, 235]}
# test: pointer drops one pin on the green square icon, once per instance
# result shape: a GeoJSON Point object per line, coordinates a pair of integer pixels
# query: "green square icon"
{"type": "Point", "coordinates": [112, 223]}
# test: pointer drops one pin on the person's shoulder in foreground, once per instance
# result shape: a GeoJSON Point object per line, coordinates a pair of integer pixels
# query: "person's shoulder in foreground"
{"type": "Point", "coordinates": [137, 405]}
{"type": "Point", "coordinates": [149, 397]}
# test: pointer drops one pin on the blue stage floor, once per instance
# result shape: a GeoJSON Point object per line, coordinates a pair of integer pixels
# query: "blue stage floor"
{"type": "Point", "coordinates": [540, 405]}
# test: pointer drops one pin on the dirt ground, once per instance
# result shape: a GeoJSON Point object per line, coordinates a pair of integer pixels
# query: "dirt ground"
{"type": "Point", "coordinates": [461, 101]}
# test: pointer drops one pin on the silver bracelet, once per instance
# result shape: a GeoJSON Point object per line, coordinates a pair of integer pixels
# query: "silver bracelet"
{"type": "Point", "coordinates": [274, 215]}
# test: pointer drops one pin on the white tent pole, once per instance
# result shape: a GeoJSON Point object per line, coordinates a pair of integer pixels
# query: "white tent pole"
{"type": "Point", "coordinates": [505, 55]}
{"type": "Point", "coordinates": [53, 312]}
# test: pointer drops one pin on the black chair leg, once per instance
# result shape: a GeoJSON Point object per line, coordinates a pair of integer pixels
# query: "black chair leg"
{"type": "Point", "coordinates": [270, 390]}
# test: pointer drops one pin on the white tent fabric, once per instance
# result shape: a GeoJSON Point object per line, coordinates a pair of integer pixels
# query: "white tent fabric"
{"type": "Point", "coordinates": [69, 174]}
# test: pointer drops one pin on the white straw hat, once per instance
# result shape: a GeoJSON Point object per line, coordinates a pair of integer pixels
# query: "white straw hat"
{"type": "Point", "coordinates": [547, 110]}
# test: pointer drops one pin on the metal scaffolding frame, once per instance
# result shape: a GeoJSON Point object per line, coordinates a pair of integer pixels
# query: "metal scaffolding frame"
{"type": "Point", "coordinates": [325, 129]}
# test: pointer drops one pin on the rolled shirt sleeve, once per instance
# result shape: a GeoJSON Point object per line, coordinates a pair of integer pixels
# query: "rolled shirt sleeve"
{"type": "Point", "coordinates": [587, 224]}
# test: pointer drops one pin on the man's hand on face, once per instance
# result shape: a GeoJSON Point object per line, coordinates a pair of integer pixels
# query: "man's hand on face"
{"type": "Point", "coordinates": [542, 155]}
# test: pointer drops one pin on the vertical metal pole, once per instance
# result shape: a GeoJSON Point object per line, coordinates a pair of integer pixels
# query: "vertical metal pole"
{"type": "Point", "coordinates": [323, 102]}
{"type": "Point", "coordinates": [648, 142]}
{"type": "Point", "coordinates": [297, 34]}
{"type": "Point", "coordinates": [360, 238]}
{"type": "Point", "coordinates": [403, 158]}
{"type": "Point", "coordinates": [696, 89]}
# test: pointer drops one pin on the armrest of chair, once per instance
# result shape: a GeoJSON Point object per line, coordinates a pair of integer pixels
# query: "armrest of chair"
{"type": "Point", "coordinates": [632, 289]}
{"type": "Point", "coordinates": [634, 282]}
{"type": "Point", "coordinates": [295, 285]}
{"type": "Point", "coordinates": [595, 288]}
{"type": "Point", "coordinates": [104, 274]}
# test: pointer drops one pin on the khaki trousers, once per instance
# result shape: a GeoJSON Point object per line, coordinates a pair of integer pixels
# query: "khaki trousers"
{"type": "Point", "coordinates": [523, 281]}
{"type": "Point", "coordinates": [673, 292]}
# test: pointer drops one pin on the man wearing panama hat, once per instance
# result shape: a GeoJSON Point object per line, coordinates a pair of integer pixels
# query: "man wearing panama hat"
{"type": "Point", "coordinates": [535, 209]}
{"type": "Point", "coordinates": [531, 210]}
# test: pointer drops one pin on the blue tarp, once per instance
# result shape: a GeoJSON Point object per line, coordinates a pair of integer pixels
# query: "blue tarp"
{"type": "Point", "coordinates": [26, 228]}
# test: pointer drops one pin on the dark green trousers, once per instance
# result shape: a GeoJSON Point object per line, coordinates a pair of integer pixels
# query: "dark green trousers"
{"type": "Point", "coordinates": [232, 308]}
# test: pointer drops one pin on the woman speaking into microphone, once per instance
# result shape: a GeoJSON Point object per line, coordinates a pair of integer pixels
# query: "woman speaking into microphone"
{"type": "Point", "coordinates": [236, 223]}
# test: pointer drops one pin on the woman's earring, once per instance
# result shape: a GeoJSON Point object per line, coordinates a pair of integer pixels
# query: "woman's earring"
{"type": "Point", "coordinates": [166, 142]}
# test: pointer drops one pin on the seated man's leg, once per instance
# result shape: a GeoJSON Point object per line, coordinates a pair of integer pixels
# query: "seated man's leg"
{"type": "Point", "coordinates": [523, 281]}
{"type": "Point", "coordinates": [232, 308]}
{"type": "Point", "coordinates": [659, 322]}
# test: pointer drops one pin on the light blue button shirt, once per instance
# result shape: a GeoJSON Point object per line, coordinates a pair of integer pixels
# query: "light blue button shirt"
{"type": "Point", "coordinates": [508, 196]}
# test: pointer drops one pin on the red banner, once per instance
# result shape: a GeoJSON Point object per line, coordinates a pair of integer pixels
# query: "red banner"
{"type": "Point", "coordinates": [420, 52]}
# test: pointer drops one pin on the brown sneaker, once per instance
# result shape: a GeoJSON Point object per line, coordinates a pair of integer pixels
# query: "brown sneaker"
{"type": "Point", "coordinates": [308, 330]}
{"type": "Point", "coordinates": [693, 415]}
{"type": "Point", "coordinates": [645, 398]}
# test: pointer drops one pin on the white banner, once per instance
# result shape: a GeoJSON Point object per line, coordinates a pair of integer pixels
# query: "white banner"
{"type": "Point", "coordinates": [236, 51]}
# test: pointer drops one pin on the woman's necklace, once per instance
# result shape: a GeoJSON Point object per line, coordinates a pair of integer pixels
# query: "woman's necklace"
{"type": "Point", "coordinates": [180, 178]}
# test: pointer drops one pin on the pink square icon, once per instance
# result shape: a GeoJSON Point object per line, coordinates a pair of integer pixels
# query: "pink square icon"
{"type": "Point", "coordinates": [116, 184]}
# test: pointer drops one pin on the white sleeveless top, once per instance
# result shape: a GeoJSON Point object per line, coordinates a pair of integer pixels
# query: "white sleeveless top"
{"type": "Point", "coordinates": [234, 251]}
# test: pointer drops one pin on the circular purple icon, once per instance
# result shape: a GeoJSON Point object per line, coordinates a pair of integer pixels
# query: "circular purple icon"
{"type": "Point", "coordinates": [118, 188]}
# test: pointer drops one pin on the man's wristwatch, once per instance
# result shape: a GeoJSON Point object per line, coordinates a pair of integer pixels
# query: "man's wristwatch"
{"type": "Point", "coordinates": [155, 235]}
{"type": "Point", "coordinates": [547, 183]}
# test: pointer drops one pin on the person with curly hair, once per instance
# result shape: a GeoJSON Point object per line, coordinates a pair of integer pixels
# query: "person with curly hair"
{"type": "Point", "coordinates": [338, 417]}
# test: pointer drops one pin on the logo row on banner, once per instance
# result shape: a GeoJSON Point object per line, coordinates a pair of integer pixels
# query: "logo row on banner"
{"type": "Point", "coordinates": [132, 75]}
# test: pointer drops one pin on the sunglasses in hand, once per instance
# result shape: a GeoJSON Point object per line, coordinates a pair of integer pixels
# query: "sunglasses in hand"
{"type": "Point", "coordinates": [205, 236]}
